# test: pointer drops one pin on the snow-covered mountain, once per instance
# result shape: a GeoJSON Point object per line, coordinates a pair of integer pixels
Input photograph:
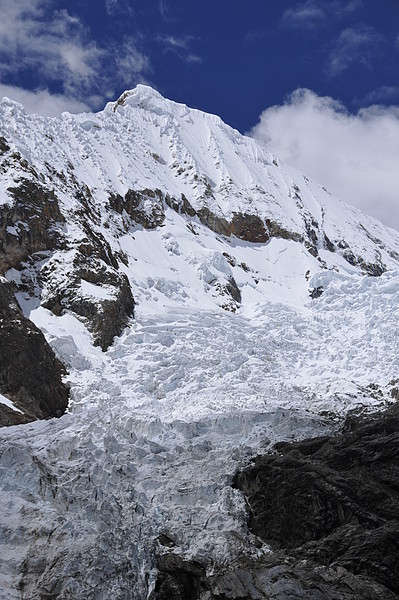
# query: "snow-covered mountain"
{"type": "Point", "coordinates": [206, 301]}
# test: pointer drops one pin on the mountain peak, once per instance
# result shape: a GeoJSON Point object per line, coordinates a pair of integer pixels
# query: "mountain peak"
{"type": "Point", "coordinates": [142, 95]}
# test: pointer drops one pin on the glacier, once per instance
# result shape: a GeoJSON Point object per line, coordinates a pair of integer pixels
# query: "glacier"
{"type": "Point", "coordinates": [229, 350]}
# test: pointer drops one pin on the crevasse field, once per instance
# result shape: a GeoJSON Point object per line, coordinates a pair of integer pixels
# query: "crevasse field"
{"type": "Point", "coordinates": [159, 424]}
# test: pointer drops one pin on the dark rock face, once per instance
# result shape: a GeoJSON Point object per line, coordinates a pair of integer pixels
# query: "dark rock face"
{"type": "Point", "coordinates": [275, 577]}
{"type": "Point", "coordinates": [31, 229]}
{"type": "Point", "coordinates": [232, 293]}
{"type": "Point", "coordinates": [181, 206]}
{"type": "Point", "coordinates": [215, 223]}
{"type": "Point", "coordinates": [244, 226]}
{"type": "Point", "coordinates": [30, 374]}
{"type": "Point", "coordinates": [276, 230]}
{"type": "Point", "coordinates": [95, 264]}
{"type": "Point", "coordinates": [4, 147]}
{"type": "Point", "coordinates": [316, 292]}
{"type": "Point", "coordinates": [249, 227]}
{"type": "Point", "coordinates": [145, 207]}
{"type": "Point", "coordinates": [105, 319]}
{"type": "Point", "coordinates": [328, 244]}
{"type": "Point", "coordinates": [30, 224]}
{"type": "Point", "coordinates": [373, 269]}
{"type": "Point", "coordinates": [329, 507]}
{"type": "Point", "coordinates": [334, 501]}
{"type": "Point", "coordinates": [180, 580]}
{"type": "Point", "coordinates": [233, 290]}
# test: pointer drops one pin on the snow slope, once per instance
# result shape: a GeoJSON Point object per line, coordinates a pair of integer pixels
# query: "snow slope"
{"type": "Point", "coordinates": [199, 381]}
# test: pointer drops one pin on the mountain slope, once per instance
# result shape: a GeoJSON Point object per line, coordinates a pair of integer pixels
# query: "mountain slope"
{"type": "Point", "coordinates": [75, 191]}
{"type": "Point", "coordinates": [207, 301]}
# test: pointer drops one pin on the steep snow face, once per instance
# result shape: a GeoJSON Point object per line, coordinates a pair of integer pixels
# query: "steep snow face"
{"type": "Point", "coordinates": [220, 245]}
{"type": "Point", "coordinates": [145, 142]}
{"type": "Point", "coordinates": [152, 200]}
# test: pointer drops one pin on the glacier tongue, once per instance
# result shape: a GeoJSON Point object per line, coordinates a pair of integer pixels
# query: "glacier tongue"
{"type": "Point", "coordinates": [160, 423]}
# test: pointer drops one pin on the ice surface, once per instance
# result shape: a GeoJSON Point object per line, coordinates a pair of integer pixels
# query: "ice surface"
{"type": "Point", "coordinates": [159, 424]}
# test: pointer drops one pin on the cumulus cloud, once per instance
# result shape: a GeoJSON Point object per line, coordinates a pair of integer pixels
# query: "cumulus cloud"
{"type": "Point", "coordinates": [54, 46]}
{"type": "Point", "coordinates": [354, 156]}
{"type": "Point", "coordinates": [42, 102]}
{"type": "Point", "coordinates": [355, 45]}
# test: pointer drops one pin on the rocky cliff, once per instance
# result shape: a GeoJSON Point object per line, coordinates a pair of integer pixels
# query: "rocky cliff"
{"type": "Point", "coordinates": [30, 374]}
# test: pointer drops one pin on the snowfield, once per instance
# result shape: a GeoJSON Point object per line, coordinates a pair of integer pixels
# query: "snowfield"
{"type": "Point", "coordinates": [159, 423]}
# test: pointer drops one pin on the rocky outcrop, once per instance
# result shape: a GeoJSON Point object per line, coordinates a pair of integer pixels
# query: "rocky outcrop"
{"type": "Point", "coordinates": [4, 147]}
{"type": "Point", "coordinates": [245, 226]}
{"type": "Point", "coordinates": [334, 503]}
{"type": "Point", "coordinates": [30, 224]}
{"type": "Point", "coordinates": [94, 289]}
{"type": "Point", "coordinates": [181, 206]}
{"type": "Point", "coordinates": [249, 227]}
{"type": "Point", "coordinates": [145, 207]}
{"type": "Point", "coordinates": [274, 577]}
{"type": "Point", "coordinates": [329, 509]}
{"type": "Point", "coordinates": [375, 269]}
{"type": "Point", "coordinates": [30, 374]}
{"type": "Point", "coordinates": [31, 231]}
{"type": "Point", "coordinates": [216, 223]}
{"type": "Point", "coordinates": [105, 317]}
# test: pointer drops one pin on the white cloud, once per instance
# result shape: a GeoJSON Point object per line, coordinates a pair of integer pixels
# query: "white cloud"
{"type": "Point", "coordinates": [312, 14]}
{"type": "Point", "coordinates": [354, 156]}
{"type": "Point", "coordinates": [386, 94]}
{"type": "Point", "coordinates": [42, 102]}
{"type": "Point", "coordinates": [56, 49]}
{"type": "Point", "coordinates": [115, 7]}
{"type": "Point", "coordinates": [180, 45]}
{"type": "Point", "coordinates": [355, 45]}
{"type": "Point", "coordinates": [304, 15]}
{"type": "Point", "coordinates": [176, 42]}
{"type": "Point", "coordinates": [52, 43]}
{"type": "Point", "coordinates": [130, 63]}
{"type": "Point", "coordinates": [163, 8]}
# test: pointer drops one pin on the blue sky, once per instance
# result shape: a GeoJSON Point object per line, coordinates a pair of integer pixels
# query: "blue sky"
{"type": "Point", "coordinates": [256, 63]}
{"type": "Point", "coordinates": [230, 57]}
